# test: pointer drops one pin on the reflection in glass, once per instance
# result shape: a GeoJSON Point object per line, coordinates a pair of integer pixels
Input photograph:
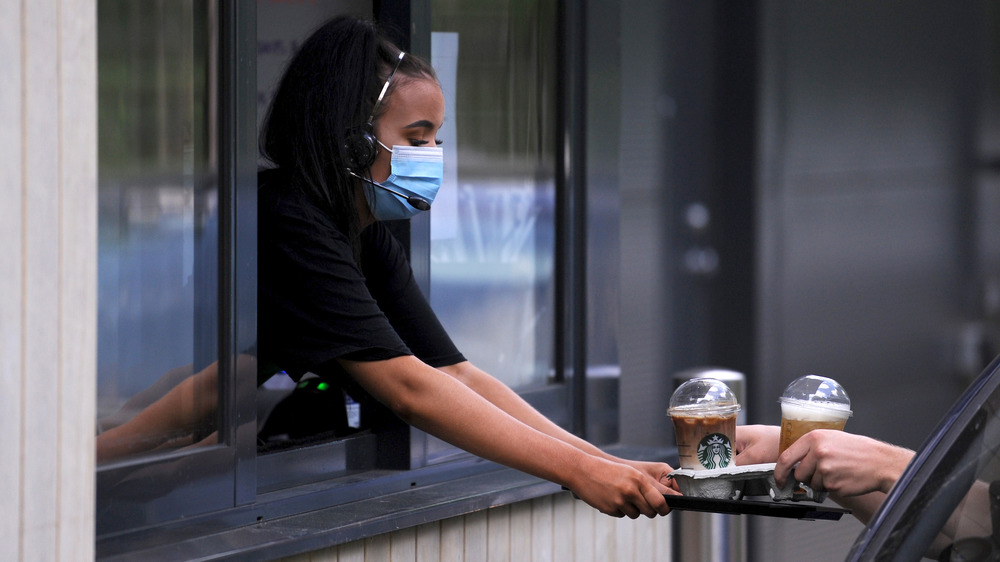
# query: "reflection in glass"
{"type": "Point", "coordinates": [492, 252]}
{"type": "Point", "coordinates": [157, 223]}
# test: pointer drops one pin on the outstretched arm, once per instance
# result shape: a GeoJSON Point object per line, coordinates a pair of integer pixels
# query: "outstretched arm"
{"type": "Point", "coordinates": [501, 396]}
{"type": "Point", "coordinates": [858, 471]}
{"type": "Point", "coordinates": [437, 402]}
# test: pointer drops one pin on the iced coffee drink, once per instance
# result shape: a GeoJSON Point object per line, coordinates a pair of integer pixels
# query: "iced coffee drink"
{"type": "Point", "coordinates": [704, 413]}
{"type": "Point", "coordinates": [812, 402]}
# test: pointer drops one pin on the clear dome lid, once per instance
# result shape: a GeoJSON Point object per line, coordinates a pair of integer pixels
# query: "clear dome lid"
{"type": "Point", "coordinates": [814, 391]}
{"type": "Point", "coordinates": [703, 396]}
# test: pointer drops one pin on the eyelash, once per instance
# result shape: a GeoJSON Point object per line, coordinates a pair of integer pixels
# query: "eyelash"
{"type": "Point", "coordinates": [421, 142]}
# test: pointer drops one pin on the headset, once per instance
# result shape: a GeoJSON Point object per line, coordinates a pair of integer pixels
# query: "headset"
{"type": "Point", "coordinates": [361, 145]}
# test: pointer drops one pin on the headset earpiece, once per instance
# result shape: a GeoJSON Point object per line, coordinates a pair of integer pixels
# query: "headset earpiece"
{"type": "Point", "coordinates": [361, 145]}
{"type": "Point", "coordinates": [361, 148]}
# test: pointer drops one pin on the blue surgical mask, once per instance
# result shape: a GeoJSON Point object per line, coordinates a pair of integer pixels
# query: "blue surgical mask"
{"type": "Point", "coordinates": [413, 171]}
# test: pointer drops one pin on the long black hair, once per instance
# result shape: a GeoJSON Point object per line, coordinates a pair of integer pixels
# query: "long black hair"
{"type": "Point", "coordinates": [327, 92]}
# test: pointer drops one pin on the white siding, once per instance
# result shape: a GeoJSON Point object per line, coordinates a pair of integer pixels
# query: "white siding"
{"type": "Point", "coordinates": [48, 249]}
{"type": "Point", "coordinates": [552, 529]}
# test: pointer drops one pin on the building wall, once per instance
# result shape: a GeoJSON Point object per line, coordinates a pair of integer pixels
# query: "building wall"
{"type": "Point", "coordinates": [868, 118]}
{"type": "Point", "coordinates": [557, 528]}
{"type": "Point", "coordinates": [48, 218]}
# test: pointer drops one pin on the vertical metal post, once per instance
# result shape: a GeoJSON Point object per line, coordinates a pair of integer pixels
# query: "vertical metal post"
{"type": "Point", "coordinates": [571, 202]}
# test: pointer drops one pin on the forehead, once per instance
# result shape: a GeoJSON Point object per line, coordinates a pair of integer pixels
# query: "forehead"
{"type": "Point", "coordinates": [412, 100]}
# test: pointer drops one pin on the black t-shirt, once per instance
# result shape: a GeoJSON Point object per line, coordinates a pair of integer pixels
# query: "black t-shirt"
{"type": "Point", "coordinates": [316, 304]}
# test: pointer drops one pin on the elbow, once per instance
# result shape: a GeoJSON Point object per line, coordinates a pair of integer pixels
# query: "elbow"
{"type": "Point", "coordinates": [405, 409]}
{"type": "Point", "coordinates": [410, 400]}
{"type": "Point", "coordinates": [410, 389]}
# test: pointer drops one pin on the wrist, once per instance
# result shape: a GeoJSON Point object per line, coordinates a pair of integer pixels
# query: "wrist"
{"type": "Point", "coordinates": [897, 459]}
{"type": "Point", "coordinates": [581, 469]}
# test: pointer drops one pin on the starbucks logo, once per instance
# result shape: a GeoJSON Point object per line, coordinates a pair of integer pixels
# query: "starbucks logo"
{"type": "Point", "coordinates": [715, 451]}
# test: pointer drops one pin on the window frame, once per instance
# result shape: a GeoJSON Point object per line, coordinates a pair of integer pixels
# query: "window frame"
{"type": "Point", "coordinates": [262, 492]}
{"type": "Point", "coordinates": [222, 467]}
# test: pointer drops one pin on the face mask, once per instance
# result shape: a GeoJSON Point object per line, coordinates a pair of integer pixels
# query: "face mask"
{"type": "Point", "coordinates": [414, 171]}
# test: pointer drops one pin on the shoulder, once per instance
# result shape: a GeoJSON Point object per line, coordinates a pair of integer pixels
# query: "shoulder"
{"type": "Point", "coordinates": [284, 209]}
{"type": "Point", "coordinates": [278, 194]}
{"type": "Point", "coordinates": [379, 244]}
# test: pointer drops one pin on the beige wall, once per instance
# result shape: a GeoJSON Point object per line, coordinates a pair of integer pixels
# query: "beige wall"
{"type": "Point", "coordinates": [48, 258]}
{"type": "Point", "coordinates": [555, 528]}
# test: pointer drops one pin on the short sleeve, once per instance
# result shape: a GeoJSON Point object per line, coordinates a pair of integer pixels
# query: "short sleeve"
{"type": "Point", "coordinates": [391, 282]}
{"type": "Point", "coordinates": [313, 302]}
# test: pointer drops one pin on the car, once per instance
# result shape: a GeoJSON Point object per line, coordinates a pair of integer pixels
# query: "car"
{"type": "Point", "coordinates": [946, 504]}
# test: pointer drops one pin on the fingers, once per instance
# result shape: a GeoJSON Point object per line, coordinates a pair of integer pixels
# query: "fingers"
{"type": "Point", "coordinates": [675, 489]}
{"type": "Point", "coordinates": [629, 511]}
{"type": "Point", "coordinates": [664, 486]}
{"type": "Point", "coordinates": [645, 499]}
{"type": "Point", "coordinates": [656, 502]}
{"type": "Point", "coordinates": [803, 460]}
{"type": "Point", "coordinates": [789, 461]}
{"type": "Point", "coordinates": [634, 492]}
{"type": "Point", "coordinates": [756, 444]}
{"type": "Point", "coordinates": [805, 471]}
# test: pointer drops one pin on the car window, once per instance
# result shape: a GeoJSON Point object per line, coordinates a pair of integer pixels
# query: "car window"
{"type": "Point", "coordinates": [945, 503]}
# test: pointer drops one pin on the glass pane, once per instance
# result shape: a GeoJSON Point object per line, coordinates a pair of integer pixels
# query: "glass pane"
{"type": "Point", "coordinates": [158, 233]}
{"type": "Point", "coordinates": [492, 229]}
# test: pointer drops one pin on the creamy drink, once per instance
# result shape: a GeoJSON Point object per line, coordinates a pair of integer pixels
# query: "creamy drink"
{"type": "Point", "coordinates": [704, 413]}
{"type": "Point", "coordinates": [704, 441]}
{"type": "Point", "coordinates": [812, 402]}
{"type": "Point", "coordinates": [797, 420]}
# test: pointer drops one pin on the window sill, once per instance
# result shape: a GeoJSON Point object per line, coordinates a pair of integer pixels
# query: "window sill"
{"type": "Point", "coordinates": [490, 485]}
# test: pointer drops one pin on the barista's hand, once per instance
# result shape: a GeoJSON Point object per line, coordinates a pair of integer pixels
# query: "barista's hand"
{"type": "Point", "coordinates": [618, 489]}
{"type": "Point", "coordinates": [756, 444]}
{"type": "Point", "coordinates": [659, 472]}
{"type": "Point", "coordinates": [842, 463]}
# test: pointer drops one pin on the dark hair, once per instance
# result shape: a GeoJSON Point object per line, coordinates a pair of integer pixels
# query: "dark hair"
{"type": "Point", "coordinates": [328, 90]}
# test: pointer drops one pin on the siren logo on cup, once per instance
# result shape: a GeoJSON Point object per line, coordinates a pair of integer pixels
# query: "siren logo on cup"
{"type": "Point", "coordinates": [715, 451]}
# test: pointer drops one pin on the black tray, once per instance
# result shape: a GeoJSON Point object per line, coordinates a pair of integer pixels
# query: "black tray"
{"type": "Point", "coordinates": [788, 510]}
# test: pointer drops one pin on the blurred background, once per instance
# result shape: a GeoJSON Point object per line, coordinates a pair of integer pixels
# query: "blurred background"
{"type": "Point", "coordinates": [809, 187]}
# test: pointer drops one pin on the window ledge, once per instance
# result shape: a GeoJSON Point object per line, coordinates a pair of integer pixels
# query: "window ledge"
{"type": "Point", "coordinates": [322, 528]}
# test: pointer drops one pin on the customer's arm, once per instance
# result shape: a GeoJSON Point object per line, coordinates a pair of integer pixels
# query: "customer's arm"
{"type": "Point", "coordinates": [857, 471]}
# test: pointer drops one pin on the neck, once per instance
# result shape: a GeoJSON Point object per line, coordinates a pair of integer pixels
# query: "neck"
{"type": "Point", "coordinates": [365, 217]}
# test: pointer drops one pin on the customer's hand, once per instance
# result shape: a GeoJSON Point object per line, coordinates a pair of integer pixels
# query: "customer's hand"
{"type": "Point", "coordinates": [756, 444]}
{"type": "Point", "coordinates": [842, 463]}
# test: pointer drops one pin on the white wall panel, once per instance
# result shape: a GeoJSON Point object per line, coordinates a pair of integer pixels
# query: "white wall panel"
{"type": "Point", "coordinates": [11, 273]}
{"type": "Point", "coordinates": [77, 276]}
{"type": "Point", "coordinates": [48, 284]}
{"type": "Point", "coordinates": [551, 529]}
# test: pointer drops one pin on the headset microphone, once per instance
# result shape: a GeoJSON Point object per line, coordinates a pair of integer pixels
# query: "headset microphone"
{"type": "Point", "coordinates": [418, 203]}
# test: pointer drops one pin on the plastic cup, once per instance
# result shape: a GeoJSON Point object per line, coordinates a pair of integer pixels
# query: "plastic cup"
{"type": "Point", "coordinates": [812, 402]}
{"type": "Point", "coordinates": [704, 415]}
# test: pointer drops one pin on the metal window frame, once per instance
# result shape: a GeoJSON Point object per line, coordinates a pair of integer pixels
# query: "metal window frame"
{"type": "Point", "coordinates": [324, 510]}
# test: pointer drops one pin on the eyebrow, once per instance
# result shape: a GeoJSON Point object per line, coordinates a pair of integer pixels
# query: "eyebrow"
{"type": "Point", "coordinates": [423, 123]}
